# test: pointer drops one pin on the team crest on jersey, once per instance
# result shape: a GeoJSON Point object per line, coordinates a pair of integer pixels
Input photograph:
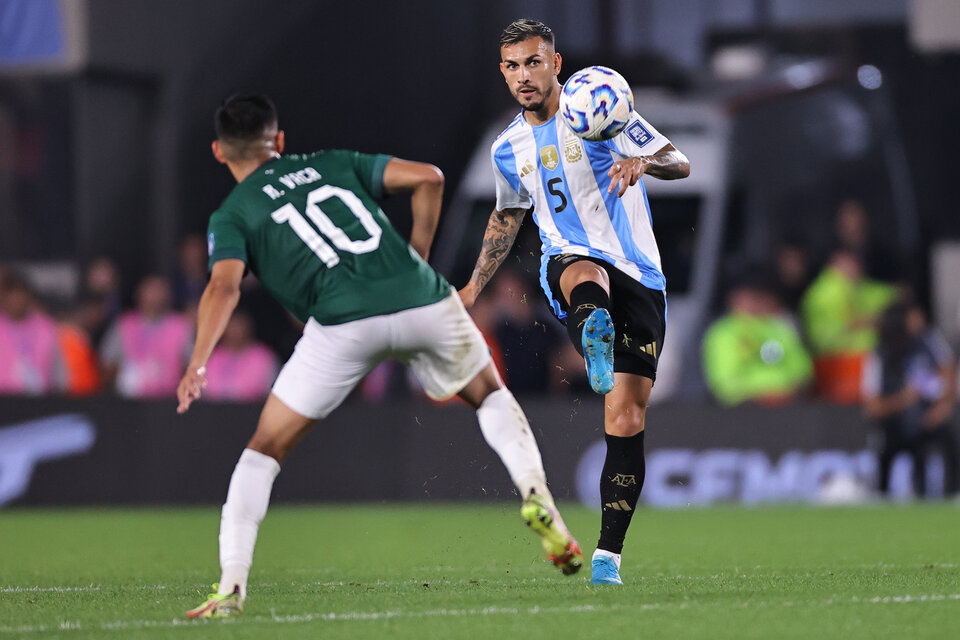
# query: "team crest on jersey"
{"type": "Point", "coordinates": [549, 157]}
{"type": "Point", "coordinates": [639, 134]}
{"type": "Point", "coordinates": [210, 244]}
{"type": "Point", "coordinates": [571, 149]}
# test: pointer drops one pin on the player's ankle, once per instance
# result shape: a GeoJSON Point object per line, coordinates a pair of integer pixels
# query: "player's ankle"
{"type": "Point", "coordinates": [234, 576]}
{"type": "Point", "coordinates": [608, 554]}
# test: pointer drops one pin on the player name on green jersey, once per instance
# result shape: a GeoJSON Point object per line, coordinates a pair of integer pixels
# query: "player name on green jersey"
{"type": "Point", "coordinates": [310, 228]}
{"type": "Point", "coordinates": [292, 181]}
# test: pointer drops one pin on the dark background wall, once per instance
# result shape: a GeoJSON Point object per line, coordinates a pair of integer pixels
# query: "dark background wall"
{"type": "Point", "coordinates": [343, 75]}
{"type": "Point", "coordinates": [125, 165]}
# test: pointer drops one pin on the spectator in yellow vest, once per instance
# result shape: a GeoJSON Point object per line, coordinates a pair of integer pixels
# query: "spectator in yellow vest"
{"type": "Point", "coordinates": [754, 353]}
{"type": "Point", "coordinates": [839, 312]}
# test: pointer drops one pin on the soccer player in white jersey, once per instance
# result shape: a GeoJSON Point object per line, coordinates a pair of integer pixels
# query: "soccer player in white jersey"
{"type": "Point", "coordinates": [600, 268]}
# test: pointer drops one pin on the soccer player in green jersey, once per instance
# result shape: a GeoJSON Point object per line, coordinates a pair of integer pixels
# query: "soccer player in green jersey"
{"type": "Point", "coordinates": [310, 228]}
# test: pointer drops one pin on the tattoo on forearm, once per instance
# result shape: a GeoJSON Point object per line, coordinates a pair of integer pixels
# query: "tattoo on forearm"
{"type": "Point", "coordinates": [670, 165]}
{"type": "Point", "coordinates": [501, 231]}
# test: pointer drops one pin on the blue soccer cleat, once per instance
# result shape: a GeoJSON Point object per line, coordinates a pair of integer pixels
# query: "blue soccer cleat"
{"type": "Point", "coordinates": [597, 342]}
{"type": "Point", "coordinates": [604, 571]}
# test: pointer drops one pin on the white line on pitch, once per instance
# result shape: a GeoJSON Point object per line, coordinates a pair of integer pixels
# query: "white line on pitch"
{"type": "Point", "coordinates": [121, 625]}
{"type": "Point", "coordinates": [89, 587]}
{"type": "Point", "coordinates": [54, 589]}
{"type": "Point", "coordinates": [492, 581]}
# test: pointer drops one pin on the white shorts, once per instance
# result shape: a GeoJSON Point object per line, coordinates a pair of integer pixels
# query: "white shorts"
{"type": "Point", "coordinates": [439, 342]}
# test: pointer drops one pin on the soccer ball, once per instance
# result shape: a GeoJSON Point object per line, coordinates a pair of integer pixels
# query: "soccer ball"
{"type": "Point", "coordinates": [596, 103]}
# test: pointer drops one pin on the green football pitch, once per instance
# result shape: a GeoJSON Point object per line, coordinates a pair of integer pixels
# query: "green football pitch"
{"type": "Point", "coordinates": [474, 571]}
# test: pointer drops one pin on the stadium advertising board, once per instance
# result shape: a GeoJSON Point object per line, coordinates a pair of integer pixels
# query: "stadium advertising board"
{"type": "Point", "coordinates": [112, 451]}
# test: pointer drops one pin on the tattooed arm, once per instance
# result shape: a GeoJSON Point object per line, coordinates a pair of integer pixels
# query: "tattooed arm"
{"type": "Point", "coordinates": [667, 164]}
{"type": "Point", "coordinates": [497, 239]}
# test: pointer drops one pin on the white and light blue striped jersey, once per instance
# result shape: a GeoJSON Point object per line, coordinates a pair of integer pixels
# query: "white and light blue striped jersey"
{"type": "Point", "coordinates": [564, 178]}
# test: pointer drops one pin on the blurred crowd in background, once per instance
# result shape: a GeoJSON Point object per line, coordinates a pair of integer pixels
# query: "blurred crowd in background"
{"type": "Point", "coordinates": [836, 327]}
{"type": "Point", "coordinates": [802, 326]}
{"type": "Point", "coordinates": [810, 257]}
{"type": "Point", "coordinates": [820, 269]}
{"type": "Point", "coordinates": [99, 342]}
{"type": "Point", "coordinates": [134, 339]}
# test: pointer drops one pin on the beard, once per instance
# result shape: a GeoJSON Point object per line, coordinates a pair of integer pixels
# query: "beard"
{"type": "Point", "coordinates": [535, 106]}
{"type": "Point", "coordinates": [532, 106]}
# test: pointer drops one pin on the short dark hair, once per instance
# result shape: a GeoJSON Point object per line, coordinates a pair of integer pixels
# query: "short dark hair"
{"type": "Point", "coordinates": [524, 29]}
{"type": "Point", "coordinates": [244, 117]}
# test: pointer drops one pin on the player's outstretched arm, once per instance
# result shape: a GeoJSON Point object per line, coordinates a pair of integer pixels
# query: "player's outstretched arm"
{"type": "Point", "coordinates": [667, 164]}
{"type": "Point", "coordinates": [219, 300]}
{"type": "Point", "coordinates": [426, 183]}
{"type": "Point", "coordinates": [501, 231]}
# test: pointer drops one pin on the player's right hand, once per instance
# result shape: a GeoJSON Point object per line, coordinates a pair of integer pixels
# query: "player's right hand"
{"type": "Point", "coordinates": [191, 384]}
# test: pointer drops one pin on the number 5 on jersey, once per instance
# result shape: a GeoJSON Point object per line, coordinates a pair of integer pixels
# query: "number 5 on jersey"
{"type": "Point", "coordinates": [556, 192]}
{"type": "Point", "coordinates": [288, 214]}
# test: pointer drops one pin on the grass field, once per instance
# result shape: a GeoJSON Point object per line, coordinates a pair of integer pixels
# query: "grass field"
{"type": "Point", "coordinates": [440, 571]}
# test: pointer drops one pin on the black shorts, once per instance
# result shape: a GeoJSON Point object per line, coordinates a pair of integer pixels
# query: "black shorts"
{"type": "Point", "coordinates": [639, 315]}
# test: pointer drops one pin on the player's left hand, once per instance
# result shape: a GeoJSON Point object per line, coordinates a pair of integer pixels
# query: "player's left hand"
{"type": "Point", "coordinates": [625, 173]}
{"type": "Point", "coordinates": [191, 384]}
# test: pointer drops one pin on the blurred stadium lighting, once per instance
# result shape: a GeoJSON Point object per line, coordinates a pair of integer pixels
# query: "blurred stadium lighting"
{"type": "Point", "coordinates": [805, 74]}
{"type": "Point", "coordinates": [739, 62]}
{"type": "Point", "coordinates": [869, 77]}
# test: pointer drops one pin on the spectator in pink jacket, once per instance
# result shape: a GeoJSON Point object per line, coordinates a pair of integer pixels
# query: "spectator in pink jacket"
{"type": "Point", "coordinates": [145, 350]}
{"type": "Point", "coordinates": [30, 359]}
{"type": "Point", "coordinates": [240, 369]}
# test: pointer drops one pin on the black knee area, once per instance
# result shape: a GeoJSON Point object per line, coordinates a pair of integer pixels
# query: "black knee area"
{"type": "Point", "coordinates": [584, 299]}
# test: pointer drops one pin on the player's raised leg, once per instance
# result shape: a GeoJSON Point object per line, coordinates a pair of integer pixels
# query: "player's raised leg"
{"type": "Point", "coordinates": [279, 430]}
{"type": "Point", "coordinates": [586, 287]}
{"type": "Point", "coordinates": [623, 471]}
{"type": "Point", "coordinates": [448, 354]}
{"type": "Point", "coordinates": [507, 431]}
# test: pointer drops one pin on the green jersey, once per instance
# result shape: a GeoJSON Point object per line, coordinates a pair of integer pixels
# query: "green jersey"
{"type": "Point", "coordinates": [310, 228]}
